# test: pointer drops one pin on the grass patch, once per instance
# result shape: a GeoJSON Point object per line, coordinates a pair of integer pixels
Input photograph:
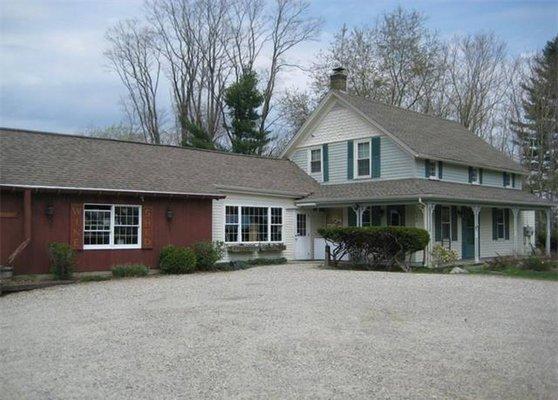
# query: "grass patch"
{"type": "Point", "coordinates": [95, 278]}
{"type": "Point", "coordinates": [128, 270]}
{"type": "Point", "coordinates": [551, 275]}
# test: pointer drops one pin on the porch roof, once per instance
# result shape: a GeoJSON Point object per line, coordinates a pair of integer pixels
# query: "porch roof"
{"type": "Point", "coordinates": [427, 190]}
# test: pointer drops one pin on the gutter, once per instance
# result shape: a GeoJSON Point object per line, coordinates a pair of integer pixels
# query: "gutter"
{"type": "Point", "coordinates": [250, 190]}
{"type": "Point", "coordinates": [26, 227]}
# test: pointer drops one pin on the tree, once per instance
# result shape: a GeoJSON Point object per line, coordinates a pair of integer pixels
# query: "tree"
{"type": "Point", "coordinates": [242, 100]}
{"type": "Point", "coordinates": [135, 59]}
{"type": "Point", "coordinates": [537, 130]}
{"type": "Point", "coordinates": [197, 137]}
{"type": "Point", "coordinates": [115, 131]}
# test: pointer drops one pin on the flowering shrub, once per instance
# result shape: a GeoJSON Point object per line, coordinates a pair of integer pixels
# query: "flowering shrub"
{"type": "Point", "coordinates": [441, 255]}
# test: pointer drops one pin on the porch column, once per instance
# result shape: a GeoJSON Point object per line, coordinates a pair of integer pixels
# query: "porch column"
{"type": "Point", "coordinates": [548, 232]}
{"type": "Point", "coordinates": [428, 225]}
{"type": "Point", "coordinates": [515, 212]}
{"type": "Point", "coordinates": [476, 212]}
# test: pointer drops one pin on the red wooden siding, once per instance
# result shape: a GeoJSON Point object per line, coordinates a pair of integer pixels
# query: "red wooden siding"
{"type": "Point", "coordinates": [191, 223]}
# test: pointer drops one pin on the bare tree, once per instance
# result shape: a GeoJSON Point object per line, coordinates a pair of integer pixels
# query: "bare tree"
{"type": "Point", "coordinates": [135, 59]}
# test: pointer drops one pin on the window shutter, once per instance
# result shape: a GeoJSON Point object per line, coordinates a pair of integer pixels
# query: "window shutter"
{"type": "Point", "coordinates": [76, 226]}
{"type": "Point", "coordinates": [453, 223]}
{"type": "Point", "coordinates": [376, 156]}
{"type": "Point", "coordinates": [376, 212]}
{"type": "Point", "coordinates": [325, 155]}
{"type": "Point", "coordinates": [470, 174]}
{"type": "Point", "coordinates": [352, 217]}
{"type": "Point", "coordinates": [507, 223]}
{"type": "Point", "coordinates": [147, 227]}
{"type": "Point", "coordinates": [513, 180]}
{"type": "Point", "coordinates": [438, 223]}
{"type": "Point", "coordinates": [480, 175]}
{"type": "Point", "coordinates": [494, 225]}
{"type": "Point", "coordinates": [350, 159]}
{"type": "Point", "coordinates": [440, 170]}
{"type": "Point", "coordinates": [426, 172]}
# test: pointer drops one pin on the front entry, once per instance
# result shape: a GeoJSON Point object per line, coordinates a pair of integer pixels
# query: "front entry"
{"type": "Point", "coordinates": [303, 243]}
{"type": "Point", "coordinates": [467, 233]}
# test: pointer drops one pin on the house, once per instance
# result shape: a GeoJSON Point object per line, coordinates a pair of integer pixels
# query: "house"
{"type": "Point", "coordinates": [354, 162]}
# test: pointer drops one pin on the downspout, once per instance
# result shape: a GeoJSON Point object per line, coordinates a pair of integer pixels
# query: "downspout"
{"type": "Point", "coordinates": [26, 227]}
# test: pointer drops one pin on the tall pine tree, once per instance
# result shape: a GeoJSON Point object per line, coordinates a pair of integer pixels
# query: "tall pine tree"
{"type": "Point", "coordinates": [243, 99]}
{"type": "Point", "coordinates": [197, 137]}
{"type": "Point", "coordinates": [537, 132]}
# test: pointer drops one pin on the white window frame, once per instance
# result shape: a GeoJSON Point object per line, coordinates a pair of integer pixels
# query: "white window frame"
{"type": "Point", "coordinates": [448, 223]}
{"type": "Point", "coordinates": [436, 173]}
{"type": "Point", "coordinates": [239, 232]}
{"type": "Point", "coordinates": [356, 159]}
{"type": "Point", "coordinates": [298, 232]}
{"type": "Point", "coordinates": [310, 150]}
{"type": "Point", "coordinates": [476, 181]}
{"type": "Point", "coordinates": [501, 212]}
{"type": "Point", "coordinates": [111, 245]}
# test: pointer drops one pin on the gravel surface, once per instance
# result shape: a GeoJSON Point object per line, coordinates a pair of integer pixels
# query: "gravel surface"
{"type": "Point", "coordinates": [282, 332]}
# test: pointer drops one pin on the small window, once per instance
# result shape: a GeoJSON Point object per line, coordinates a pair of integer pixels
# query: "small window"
{"type": "Point", "coordinates": [231, 224]}
{"type": "Point", "coordinates": [432, 169]}
{"type": "Point", "coordinates": [316, 161]}
{"type": "Point", "coordinates": [363, 158]}
{"type": "Point", "coordinates": [500, 224]}
{"type": "Point", "coordinates": [301, 224]}
{"type": "Point", "coordinates": [446, 223]}
{"type": "Point", "coordinates": [111, 226]}
{"type": "Point", "coordinates": [276, 224]}
{"type": "Point", "coordinates": [475, 176]}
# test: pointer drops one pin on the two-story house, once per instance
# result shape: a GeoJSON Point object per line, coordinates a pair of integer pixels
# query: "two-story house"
{"type": "Point", "coordinates": [354, 162]}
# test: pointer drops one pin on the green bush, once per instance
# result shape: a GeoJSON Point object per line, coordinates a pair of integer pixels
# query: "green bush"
{"type": "Point", "coordinates": [267, 261]}
{"type": "Point", "coordinates": [535, 263]}
{"type": "Point", "coordinates": [441, 255]}
{"type": "Point", "coordinates": [62, 260]}
{"type": "Point", "coordinates": [177, 260]}
{"type": "Point", "coordinates": [541, 239]}
{"type": "Point", "coordinates": [127, 270]}
{"type": "Point", "coordinates": [376, 246]}
{"type": "Point", "coordinates": [207, 254]}
{"type": "Point", "coordinates": [95, 278]}
{"type": "Point", "coordinates": [500, 263]}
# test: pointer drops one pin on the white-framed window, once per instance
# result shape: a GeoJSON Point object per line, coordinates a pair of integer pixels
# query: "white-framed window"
{"type": "Point", "coordinates": [301, 224]}
{"type": "Point", "coordinates": [316, 161]}
{"type": "Point", "coordinates": [251, 224]}
{"type": "Point", "coordinates": [362, 158]}
{"type": "Point", "coordinates": [446, 223]}
{"type": "Point", "coordinates": [500, 224]}
{"type": "Point", "coordinates": [475, 176]}
{"type": "Point", "coordinates": [111, 226]}
{"type": "Point", "coordinates": [431, 169]}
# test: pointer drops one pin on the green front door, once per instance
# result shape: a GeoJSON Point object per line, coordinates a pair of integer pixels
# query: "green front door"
{"type": "Point", "coordinates": [467, 233]}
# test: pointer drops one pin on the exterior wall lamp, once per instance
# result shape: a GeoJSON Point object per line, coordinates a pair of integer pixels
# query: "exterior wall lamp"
{"type": "Point", "coordinates": [169, 214]}
{"type": "Point", "coordinates": [49, 212]}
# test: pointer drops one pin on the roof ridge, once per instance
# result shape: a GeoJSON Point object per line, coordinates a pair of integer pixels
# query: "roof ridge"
{"type": "Point", "coordinates": [77, 136]}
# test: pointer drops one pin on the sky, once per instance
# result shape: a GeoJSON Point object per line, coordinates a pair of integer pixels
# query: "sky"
{"type": "Point", "coordinates": [54, 77]}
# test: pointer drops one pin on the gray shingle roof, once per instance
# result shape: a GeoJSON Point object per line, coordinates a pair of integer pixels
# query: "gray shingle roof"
{"type": "Point", "coordinates": [414, 188]}
{"type": "Point", "coordinates": [55, 160]}
{"type": "Point", "coordinates": [431, 137]}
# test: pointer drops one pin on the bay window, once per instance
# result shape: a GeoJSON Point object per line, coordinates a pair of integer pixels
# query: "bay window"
{"type": "Point", "coordinates": [111, 226]}
{"type": "Point", "coordinates": [246, 224]}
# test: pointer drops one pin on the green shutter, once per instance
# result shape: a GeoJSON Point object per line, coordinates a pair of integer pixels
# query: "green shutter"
{"type": "Point", "coordinates": [352, 217]}
{"type": "Point", "coordinates": [480, 175]}
{"type": "Point", "coordinates": [401, 210]}
{"type": "Point", "coordinates": [350, 160]}
{"type": "Point", "coordinates": [325, 155]}
{"type": "Point", "coordinates": [376, 157]}
{"type": "Point", "coordinates": [453, 223]}
{"type": "Point", "coordinates": [376, 216]}
{"type": "Point", "coordinates": [438, 223]}
{"type": "Point", "coordinates": [426, 172]}
{"type": "Point", "coordinates": [513, 180]}
{"type": "Point", "coordinates": [507, 223]}
{"type": "Point", "coordinates": [440, 170]}
{"type": "Point", "coordinates": [494, 225]}
{"type": "Point", "coordinates": [470, 174]}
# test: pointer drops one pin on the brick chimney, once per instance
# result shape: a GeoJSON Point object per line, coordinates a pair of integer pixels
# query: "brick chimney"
{"type": "Point", "coordinates": [338, 80]}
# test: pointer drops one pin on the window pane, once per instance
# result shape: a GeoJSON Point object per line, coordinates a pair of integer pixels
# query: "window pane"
{"type": "Point", "coordinates": [363, 167]}
{"type": "Point", "coordinates": [276, 216]}
{"type": "Point", "coordinates": [431, 168]}
{"type": "Point", "coordinates": [231, 215]}
{"type": "Point", "coordinates": [301, 224]}
{"type": "Point", "coordinates": [363, 150]}
{"type": "Point", "coordinates": [254, 224]}
{"type": "Point", "coordinates": [316, 161]}
{"type": "Point", "coordinates": [125, 235]}
{"type": "Point", "coordinates": [91, 238]}
{"type": "Point", "coordinates": [126, 215]}
{"type": "Point", "coordinates": [316, 155]}
{"type": "Point", "coordinates": [97, 220]}
{"type": "Point", "coordinates": [276, 235]}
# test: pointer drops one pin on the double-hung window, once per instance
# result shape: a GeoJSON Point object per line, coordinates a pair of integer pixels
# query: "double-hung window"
{"type": "Point", "coordinates": [111, 226]}
{"type": "Point", "coordinates": [362, 158]}
{"type": "Point", "coordinates": [247, 224]}
{"type": "Point", "coordinates": [500, 223]}
{"type": "Point", "coordinates": [474, 176]}
{"type": "Point", "coordinates": [431, 169]}
{"type": "Point", "coordinates": [446, 223]}
{"type": "Point", "coordinates": [316, 161]}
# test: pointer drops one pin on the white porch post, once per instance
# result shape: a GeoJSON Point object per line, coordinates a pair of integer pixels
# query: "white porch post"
{"type": "Point", "coordinates": [548, 232]}
{"type": "Point", "coordinates": [428, 225]}
{"type": "Point", "coordinates": [476, 211]}
{"type": "Point", "coordinates": [515, 212]}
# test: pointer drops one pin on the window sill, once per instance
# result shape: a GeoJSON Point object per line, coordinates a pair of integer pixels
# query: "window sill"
{"type": "Point", "coordinates": [109, 247]}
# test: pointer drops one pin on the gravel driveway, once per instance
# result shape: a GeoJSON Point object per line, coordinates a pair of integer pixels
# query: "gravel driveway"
{"type": "Point", "coordinates": [280, 332]}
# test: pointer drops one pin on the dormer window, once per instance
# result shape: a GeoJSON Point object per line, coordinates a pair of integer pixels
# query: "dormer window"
{"type": "Point", "coordinates": [474, 176]}
{"type": "Point", "coordinates": [362, 159]}
{"type": "Point", "coordinates": [316, 161]}
{"type": "Point", "coordinates": [431, 169]}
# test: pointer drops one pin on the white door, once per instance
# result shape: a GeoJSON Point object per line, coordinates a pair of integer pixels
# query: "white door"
{"type": "Point", "coordinates": [303, 244]}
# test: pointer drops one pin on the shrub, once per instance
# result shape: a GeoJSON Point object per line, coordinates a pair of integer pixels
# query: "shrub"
{"type": "Point", "coordinates": [62, 260]}
{"type": "Point", "coordinates": [207, 254]}
{"type": "Point", "coordinates": [535, 263]}
{"type": "Point", "coordinates": [267, 261]}
{"type": "Point", "coordinates": [95, 278]}
{"type": "Point", "coordinates": [441, 255]}
{"type": "Point", "coordinates": [177, 260]}
{"type": "Point", "coordinates": [500, 263]}
{"type": "Point", "coordinates": [374, 246]}
{"type": "Point", "coordinates": [127, 270]}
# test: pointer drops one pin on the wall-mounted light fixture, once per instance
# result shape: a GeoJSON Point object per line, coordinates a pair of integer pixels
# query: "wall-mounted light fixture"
{"type": "Point", "coordinates": [169, 214]}
{"type": "Point", "coordinates": [49, 211]}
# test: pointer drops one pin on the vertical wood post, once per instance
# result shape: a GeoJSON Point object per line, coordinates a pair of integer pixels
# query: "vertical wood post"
{"type": "Point", "coordinates": [476, 212]}
{"type": "Point", "coordinates": [429, 225]}
{"type": "Point", "coordinates": [515, 212]}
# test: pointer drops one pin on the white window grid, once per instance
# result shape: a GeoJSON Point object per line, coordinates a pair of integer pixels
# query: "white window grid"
{"type": "Point", "coordinates": [315, 159]}
{"type": "Point", "coordinates": [432, 169]}
{"type": "Point", "coordinates": [475, 178]}
{"type": "Point", "coordinates": [278, 230]}
{"type": "Point", "coordinates": [126, 226]}
{"type": "Point", "coordinates": [364, 158]}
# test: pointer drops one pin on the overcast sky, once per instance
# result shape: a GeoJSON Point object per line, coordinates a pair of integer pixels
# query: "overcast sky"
{"type": "Point", "coordinates": [53, 75]}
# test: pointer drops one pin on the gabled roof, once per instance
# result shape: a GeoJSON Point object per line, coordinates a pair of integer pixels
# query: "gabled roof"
{"type": "Point", "coordinates": [422, 135]}
{"type": "Point", "coordinates": [415, 188]}
{"type": "Point", "coordinates": [48, 160]}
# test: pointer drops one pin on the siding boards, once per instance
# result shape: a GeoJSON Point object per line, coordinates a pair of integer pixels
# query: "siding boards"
{"type": "Point", "coordinates": [300, 158]}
